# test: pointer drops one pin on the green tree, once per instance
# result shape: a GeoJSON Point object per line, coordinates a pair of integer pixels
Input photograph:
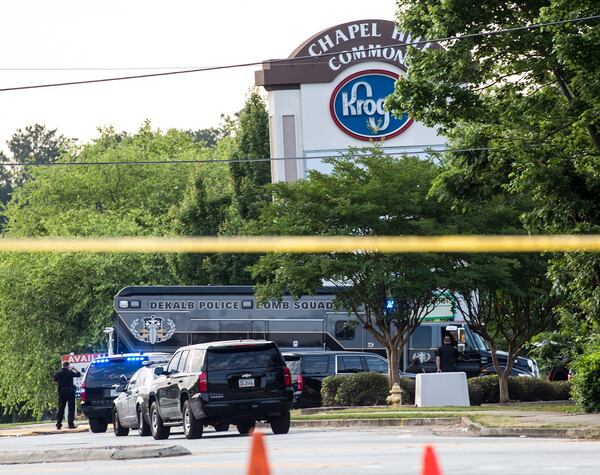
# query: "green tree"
{"type": "Point", "coordinates": [507, 300]}
{"type": "Point", "coordinates": [531, 100]}
{"type": "Point", "coordinates": [36, 145]}
{"type": "Point", "coordinates": [250, 176]}
{"type": "Point", "coordinates": [365, 195]}
{"type": "Point", "coordinates": [52, 304]}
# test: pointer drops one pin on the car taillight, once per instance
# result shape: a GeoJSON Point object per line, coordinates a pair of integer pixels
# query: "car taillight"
{"type": "Point", "coordinates": [82, 393]}
{"type": "Point", "coordinates": [300, 383]}
{"type": "Point", "coordinates": [203, 382]}
{"type": "Point", "coordinates": [287, 377]}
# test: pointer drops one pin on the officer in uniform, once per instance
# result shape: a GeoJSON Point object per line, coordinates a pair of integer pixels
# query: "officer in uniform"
{"type": "Point", "coordinates": [66, 393]}
{"type": "Point", "coordinates": [446, 356]}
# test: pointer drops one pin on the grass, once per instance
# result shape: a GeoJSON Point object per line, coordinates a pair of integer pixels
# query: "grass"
{"type": "Point", "coordinates": [380, 415]}
{"type": "Point", "coordinates": [507, 421]}
{"type": "Point", "coordinates": [567, 407]}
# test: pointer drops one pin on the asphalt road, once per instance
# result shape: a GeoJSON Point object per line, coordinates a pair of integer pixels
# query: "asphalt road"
{"type": "Point", "coordinates": [303, 451]}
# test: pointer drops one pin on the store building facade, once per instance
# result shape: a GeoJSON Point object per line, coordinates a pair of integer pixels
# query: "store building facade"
{"type": "Point", "coordinates": [330, 94]}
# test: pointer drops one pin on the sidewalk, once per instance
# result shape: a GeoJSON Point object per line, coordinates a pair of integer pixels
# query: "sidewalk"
{"type": "Point", "coordinates": [44, 428]}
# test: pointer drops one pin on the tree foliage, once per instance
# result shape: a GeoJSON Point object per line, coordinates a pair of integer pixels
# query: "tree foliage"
{"type": "Point", "coordinates": [53, 304]}
{"type": "Point", "coordinates": [529, 101]}
{"type": "Point", "coordinates": [251, 143]}
{"type": "Point", "coordinates": [365, 195]}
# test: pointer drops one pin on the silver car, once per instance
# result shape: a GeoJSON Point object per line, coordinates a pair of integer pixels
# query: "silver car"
{"type": "Point", "coordinates": [130, 408]}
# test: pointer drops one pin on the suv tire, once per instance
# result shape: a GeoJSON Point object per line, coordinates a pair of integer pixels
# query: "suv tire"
{"type": "Point", "coordinates": [143, 427]}
{"type": "Point", "coordinates": [98, 425]}
{"type": "Point", "coordinates": [246, 427]}
{"type": "Point", "coordinates": [281, 423]}
{"type": "Point", "coordinates": [158, 429]}
{"type": "Point", "coordinates": [118, 429]}
{"type": "Point", "coordinates": [192, 427]}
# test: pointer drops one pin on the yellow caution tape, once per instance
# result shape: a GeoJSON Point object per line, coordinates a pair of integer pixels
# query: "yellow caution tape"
{"type": "Point", "coordinates": [307, 244]}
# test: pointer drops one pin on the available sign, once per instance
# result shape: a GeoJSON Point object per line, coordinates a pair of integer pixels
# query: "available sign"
{"type": "Point", "coordinates": [81, 363]}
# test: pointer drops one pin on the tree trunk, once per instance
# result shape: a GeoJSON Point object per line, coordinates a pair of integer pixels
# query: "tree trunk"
{"type": "Point", "coordinates": [503, 395]}
{"type": "Point", "coordinates": [393, 357]}
{"type": "Point", "coordinates": [503, 386]}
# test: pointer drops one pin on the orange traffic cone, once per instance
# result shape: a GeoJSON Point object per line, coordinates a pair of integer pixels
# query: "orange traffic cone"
{"type": "Point", "coordinates": [430, 464]}
{"type": "Point", "coordinates": [258, 456]}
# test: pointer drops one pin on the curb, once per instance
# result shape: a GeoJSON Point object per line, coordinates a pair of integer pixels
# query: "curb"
{"type": "Point", "coordinates": [395, 422]}
{"type": "Point", "coordinates": [540, 432]}
{"type": "Point", "coordinates": [50, 431]}
{"type": "Point", "coordinates": [92, 454]}
{"type": "Point", "coordinates": [472, 428]}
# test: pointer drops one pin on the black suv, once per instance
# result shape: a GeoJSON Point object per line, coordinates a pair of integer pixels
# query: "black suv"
{"type": "Point", "coordinates": [98, 389]}
{"type": "Point", "coordinates": [221, 383]}
{"type": "Point", "coordinates": [310, 368]}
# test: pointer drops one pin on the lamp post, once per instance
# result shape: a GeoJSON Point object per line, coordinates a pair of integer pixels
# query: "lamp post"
{"type": "Point", "coordinates": [109, 331]}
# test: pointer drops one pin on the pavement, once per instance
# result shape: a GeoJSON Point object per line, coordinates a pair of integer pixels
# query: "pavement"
{"type": "Point", "coordinates": [546, 424]}
{"type": "Point", "coordinates": [327, 451]}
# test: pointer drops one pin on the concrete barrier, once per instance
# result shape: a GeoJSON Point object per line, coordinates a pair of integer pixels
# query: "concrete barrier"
{"type": "Point", "coordinates": [441, 389]}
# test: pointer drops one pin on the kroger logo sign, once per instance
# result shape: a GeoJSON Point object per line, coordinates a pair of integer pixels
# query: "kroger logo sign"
{"type": "Point", "coordinates": [358, 106]}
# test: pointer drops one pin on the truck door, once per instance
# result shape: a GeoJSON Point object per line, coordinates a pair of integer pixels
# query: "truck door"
{"type": "Point", "coordinates": [421, 344]}
{"type": "Point", "coordinates": [469, 359]}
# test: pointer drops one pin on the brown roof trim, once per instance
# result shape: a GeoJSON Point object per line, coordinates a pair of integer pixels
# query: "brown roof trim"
{"type": "Point", "coordinates": [323, 56]}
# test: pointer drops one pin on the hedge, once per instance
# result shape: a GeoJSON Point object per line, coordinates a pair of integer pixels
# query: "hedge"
{"type": "Point", "coordinates": [586, 382]}
{"type": "Point", "coordinates": [371, 389]}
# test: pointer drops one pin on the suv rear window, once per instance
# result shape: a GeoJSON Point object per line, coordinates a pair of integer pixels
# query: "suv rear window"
{"type": "Point", "coordinates": [112, 370]}
{"type": "Point", "coordinates": [226, 359]}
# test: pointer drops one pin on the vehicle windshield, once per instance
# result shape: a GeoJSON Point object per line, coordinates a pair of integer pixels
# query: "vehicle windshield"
{"type": "Point", "coordinates": [478, 342]}
{"type": "Point", "coordinates": [293, 362]}
{"type": "Point", "coordinates": [226, 359]}
{"type": "Point", "coordinates": [112, 370]}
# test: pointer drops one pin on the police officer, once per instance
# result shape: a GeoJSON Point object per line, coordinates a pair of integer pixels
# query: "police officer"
{"type": "Point", "coordinates": [446, 356]}
{"type": "Point", "coordinates": [66, 393]}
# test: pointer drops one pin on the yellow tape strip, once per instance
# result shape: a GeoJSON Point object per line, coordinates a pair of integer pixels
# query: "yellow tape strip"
{"type": "Point", "coordinates": [307, 244]}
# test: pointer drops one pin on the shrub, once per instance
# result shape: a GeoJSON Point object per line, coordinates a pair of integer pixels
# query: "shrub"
{"type": "Point", "coordinates": [586, 382]}
{"type": "Point", "coordinates": [329, 389]}
{"type": "Point", "coordinates": [484, 389]}
{"type": "Point", "coordinates": [362, 389]}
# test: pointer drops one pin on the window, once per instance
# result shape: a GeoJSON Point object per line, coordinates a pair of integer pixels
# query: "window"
{"type": "Point", "coordinates": [343, 331]}
{"type": "Point", "coordinates": [197, 357]}
{"type": "Point", "coordinates": [421, 338]}
{"type": "Point", "coordinates": [172, 368]}
{"type": "Point", "coordinates": [350, 364]}
{"type": "Point", "coordinates": [228, 359]}
{"type": "Point", "coordinates": [315, 364]}
{"type": "Point", "coordinates": [376, 364]}
{"type": "Point", "coordinates": [182, 366]}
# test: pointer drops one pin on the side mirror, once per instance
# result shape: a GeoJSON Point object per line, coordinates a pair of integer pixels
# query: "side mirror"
{"type": "Point", "coordinates": [123, 379]}
{"type": "Point", "coordinates": [461, 347]}
{"type": "Point", "coordinates": [159, 370]}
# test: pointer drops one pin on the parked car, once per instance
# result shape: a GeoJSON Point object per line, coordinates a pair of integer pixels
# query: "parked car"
{"type": "Point", "coordinates": [98, 388]}
{"type": "Point", "coordinates": [218, 384]}
{"type": "Point", "coordinates": [310, 368]}
{"type": "Point", "coordinates": [130, 408]}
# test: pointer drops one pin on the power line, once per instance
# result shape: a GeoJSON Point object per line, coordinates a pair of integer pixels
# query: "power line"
{"type": "Point", "coordinates": [302, 58]}
{"type": "Point", "coordinates": [424, 151]}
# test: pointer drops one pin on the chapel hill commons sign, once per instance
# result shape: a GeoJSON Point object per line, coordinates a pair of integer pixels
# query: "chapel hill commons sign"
{"type": "Point", "coordinates": [330, 95]}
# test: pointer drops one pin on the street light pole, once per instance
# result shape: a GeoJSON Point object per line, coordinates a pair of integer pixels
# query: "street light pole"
{"type": "Point", "coordinates": [109, 331]}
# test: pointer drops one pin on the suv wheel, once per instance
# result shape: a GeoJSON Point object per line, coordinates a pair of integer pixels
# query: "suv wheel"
{"type": "Point", "coordinates": [98, 425]}
{"type": "Point", "coordinates": [119, 430]}
{"type": "Point", "coordinates": [158, 429]}
{"type": "Point", "coordinates": [221, 427]}
{"type": "Point", "coordinates": [246, 428]}
{"type": "Point", "coordinates": [281, 424]}
{"type": "Point", "coordinates": [192, 427]}
{"type": "Point", "coordinates": [143, 427]}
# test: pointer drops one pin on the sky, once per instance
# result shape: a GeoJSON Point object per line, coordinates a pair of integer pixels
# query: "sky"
{"type": "Point", "coordinates": [148, 34]}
